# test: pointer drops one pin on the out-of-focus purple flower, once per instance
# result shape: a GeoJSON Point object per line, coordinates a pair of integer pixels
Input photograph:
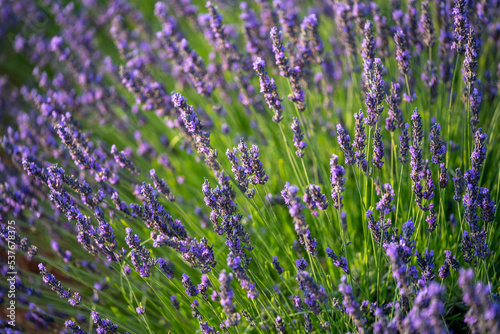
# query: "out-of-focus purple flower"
{"type": "Point", "coordinates": [449, 262]}
{"type": "Point", "coordinates": [297, 95]}
{"type": "Point", "coordinates": [427, 312]}
{"type": "Point", "coordinates": [431, 80]}
{"type": "Point", "coordinates": [471, 60]}
{"type": "Point", "coordinates": [478, 155]}
{"type": "Point", "coordinates": [359, 142]}
{"type": "Point", "coordinates": [487, 205]}
{"type": "Point", "coordinates": [279, 52]}
{"type": "Point", "coordinates": [344, 141]}
{"type": "Point", "coordinates": [483, 315]}
{"type": "Point", "coordinates": [103, 325]}
{"type": "Point", "coordinates": [404, 144]}
{"type": "Point", "coordinates": [426, 24]}
{"type": "Point", "coordinates": [461, 23]}
{"type": "Point", "coordinates": [298, 137]}
{"type": "Point", "coordinates": [74, 327]}
{"type": "Point", "coordinates": [378, 149]}
{"type": "Point", "coordinates": [395, 115]}
{"type": "Point", "coordinates": [459, 182]}
{"type": "Point", "coordinates": [375, 92]}
{"type": "Point", "coordinates": [351, 305]}
{"type": "Point", "coordinates": [402, 53]}
{"type": "Point", "coordinates": [437, 145]}
{"type": "Point", "coordinates": [296, 210]}
{"type": "Point", "coordinates": [337, 181]}
{"type": "Point", "coordinates": [443, 176]}
{"type": "Point", "coordinates": [345, 26]}
{"type": "Point", "coordinates": [277, 266]}
{"type": "Point", "coordinates": [301, 264]}
{"type": "Point", "coordinates": [475, 107]}
{"type": "Point", "coordinates": [226, 299]}
{"type": "Point", "coordinates": [280, 326]}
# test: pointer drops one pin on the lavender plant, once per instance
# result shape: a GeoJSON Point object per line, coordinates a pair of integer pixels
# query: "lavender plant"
{"type": "Point", "coordinates": [349, 206]}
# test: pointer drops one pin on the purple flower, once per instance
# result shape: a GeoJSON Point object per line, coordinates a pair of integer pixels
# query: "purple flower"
{"type": "Point", "coordinates": [301, 264]}
{"type": "Point", "coordinates": [344, 141]}
{"type": "Point", "coordinates": [449, 262]}
{"type": "Point", "coordinates": [431, 80]}
{"type": "Point", "coordinates": [427, 27]}
{"type": "Point", "coordinates": [298, 138]}
{"type": "Point", "coordinates": [459, 182]}
{"type": "Point", "coordinates": [475, 107]}
{"type": "Point", "coordinates": [76, 329]}
{"type": "Point", "coordinates": [103, 325]}
{"type": "Point", "coordinates": [471, 60]}
{"type": "Point", "coordinates": [337, 181]}
{"type": "Point", "coordinates": [487, 205]}
{"type": "Point", "coordinates": [313, 293]}
{"type": "Point", "coordinates": [351, 305]}
{"type": "Point", "coordinates": [269, 89]}
{"type": "Point", "coordinates": [314, 198]}
{"type": "Point", "coordinates": [404, 145]}
{"type": "Point", "coordinates": [226, 299]}
{"type": "Point", "coordinates": [478, 155]}
{"type": "Point", "coordinates": [280, 326]}
{"type": "Point", "coordinates": [378, 149]}
{"type": "Point", "coordinates": [483, 315]}
{"type": "Point", "coordinates": [443, 176]}
{"type": "Point", "coordinates": [359, 142]}
{"type": "Point", "coordinates": [461, 23]}
{"type": "Point", "coordinates": [239, 173]}
{"type": "Point", "coordinates": [395, 115]}
{"type": "Point", "coordinates": [279, 52]}
{"type": "Point", "coordinates": [402, 53]}
{"type": "Point", "coordinates": [166, 268]}
{"type": "Point", "coordinates": [338, 261]}
{"type": "Point", "coordinates": [191, 289]}
{"type": "Point", "coordinates": [437, 147]}
{"type": "Point", "coordinates": [384, 205]}
{"type": "Point", "coordinates": [140, 310]}
{"type": "Point", "coordinates": [277, 266]}
{"type": "Point", "coordinates": [376, 92]}
{"type": "Point", "coordinates": [427, 313]}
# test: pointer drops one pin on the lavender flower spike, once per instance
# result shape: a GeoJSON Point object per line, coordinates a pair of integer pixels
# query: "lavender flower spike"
{"type": "Point", "coordinates": [461, 26]}
{"type": "Point", "coordinates": [344, 141]}
{"type": "Point", "coordinates": [269, 89]}
{"type": "Point", "coordinates": [402, 53]}
{"type": "Point", "coordinates": [298, 138]}
{"type": "Point", "coordinates": [279, 52]}
{"type": "Point", "coordinates": [378, 149]}
{"type": "Point", "coordinates": [359, 142]}
{"type": "Point", "coordinates": [469, 70]}
{"type": "Point", "coordinates": [483, 315]}
{"type": "Point", "coordinates": [340, 262]}
{"type": "Point", "coordinates": [337, 181]}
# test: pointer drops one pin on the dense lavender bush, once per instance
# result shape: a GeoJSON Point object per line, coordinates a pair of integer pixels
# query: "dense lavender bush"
{"type": "Point", "coordinates": [249, 167]}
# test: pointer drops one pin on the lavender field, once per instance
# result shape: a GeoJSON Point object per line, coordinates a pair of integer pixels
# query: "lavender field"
{"type": "Point", "coordinates": [269, 166]}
